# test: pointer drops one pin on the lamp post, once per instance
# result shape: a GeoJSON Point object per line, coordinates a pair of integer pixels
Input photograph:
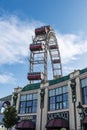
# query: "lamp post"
{"type": "Point", "coordinates": [80, 109]}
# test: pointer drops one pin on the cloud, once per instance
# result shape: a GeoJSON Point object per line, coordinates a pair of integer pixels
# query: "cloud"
{"type": "Point", "coordinates": [7, 78]}
{"type": "Point", "coordinates": [15, 37]}
{"type": "Point", "coordinates": [71, 46]}
{"type": "Point", "coordinates": [68, 69]}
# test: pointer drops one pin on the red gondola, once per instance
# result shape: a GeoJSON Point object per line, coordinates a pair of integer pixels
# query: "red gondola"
{"type": "Point", "coordinates": [36, 47]}
{"type": "Point", "coordinates": [42, 30]}
{"type": "Point", "coordinates": [56, 61]}
{"type": "Point", "coordinates": [35, 76]}
{"type": "Point", "coordinates": [53, 46]}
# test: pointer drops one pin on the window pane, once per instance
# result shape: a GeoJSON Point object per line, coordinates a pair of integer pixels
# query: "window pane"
{"type": "Point", "coordinates": [23, 104]}
{"type": "Point", "coordinates": [61, 106]}
{"type": "Point", "coordinates": [35, 96]}
{"type": "Point", "coordinates": [23, 98]}
{"type": "Point", "coordinates": [59, 98]}
{"type": "Point", "coordinates": [65, 89]}
{"type": "Point", "coordinates": [57, 91]}
{"type": "Point", "coordinates": [57, 106]}
{"type": "Point", "coordinates": [85, 91]}
{"type": "Point", "coordinates": [35, 103]}
{"type": "Point", "coordinates": [29, 103]}
{"type": "Point", "coordinates": [27, 110]}
{"type": "Point", "coordinates": [30, 109]}
{"type": "Point", "coordinates": [64, 104]}
{"type": "Point", "coordinates": [84, 95]}
{"type": "Point", "coordinates": [84, 82]}
{"type": "Point", "coordinates": [52, 107]}
{"type": "Point", "coordinates": [60, 90]}
{"type": "Point", "coordinates": [29, 97]}
{"type": "Point", "coordinates": [22, 110]}
{"type": "Point", "coordinates": [34, 109]}
{"type": "Point", "coordinates": [52, 92]}
{"type": "Point", "coordinates": [85, 99]}
{"type": "Point", "coordinates": [65, 97]}
{"type": "Point", "coordinates": [52, 99]}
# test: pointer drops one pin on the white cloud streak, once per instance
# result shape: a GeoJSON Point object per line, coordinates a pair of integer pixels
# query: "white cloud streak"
{"type": "Point", "coordinates": [15, 36]}
{"type": "Point", "coordinates": [71, 46]}
{"type": "Point", "coordinates": [7, 78]}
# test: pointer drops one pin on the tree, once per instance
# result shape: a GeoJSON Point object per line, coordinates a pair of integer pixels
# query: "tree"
{"type": "Point", "coordinates": [10, 117]}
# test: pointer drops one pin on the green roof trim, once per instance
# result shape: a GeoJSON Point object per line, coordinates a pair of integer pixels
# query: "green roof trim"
{"type": "Point", "coordinates": [31, 87]}
{"type": "Point", "coordinates": [52, 82]}
{"type": "Point", "coordinates": [6, 98]}
{"type": "Point", "coordinates": [83, 71]}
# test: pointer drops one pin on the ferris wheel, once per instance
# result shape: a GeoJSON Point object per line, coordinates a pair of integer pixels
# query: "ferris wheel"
{"type": "Point", "coordinates": [44, 45]}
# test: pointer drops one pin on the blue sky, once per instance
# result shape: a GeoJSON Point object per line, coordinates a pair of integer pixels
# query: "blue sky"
{"type": "Point", "coordinates": [19, 18]}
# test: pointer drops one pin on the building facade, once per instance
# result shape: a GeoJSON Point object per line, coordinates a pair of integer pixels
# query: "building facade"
{"type": "Point", "coordinates": [51, 105]}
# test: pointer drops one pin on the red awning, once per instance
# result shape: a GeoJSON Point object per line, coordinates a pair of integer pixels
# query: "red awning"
{"type": "Point", "coordinates": [85, 120]}
{"type": "Point", "coordinates": [57, 123]}
{"type": "Point", "coordinates": [24, 124]}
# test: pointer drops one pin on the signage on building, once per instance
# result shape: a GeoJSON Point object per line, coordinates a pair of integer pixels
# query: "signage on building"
{"type": "Point", "coordinates": [62, 115]}
{"type": "Point", "coordinates": [29, 117]}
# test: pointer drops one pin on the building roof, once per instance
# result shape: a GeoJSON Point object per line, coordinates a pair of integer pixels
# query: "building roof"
{"type": "Point", "coordinates": [37, 85]}
{"type": "Point", "coordinates": [83, 70]}
{"type": "Point", "coordinates": [51, 82]}
{"type": "Point", "coordinates": [6, 98]}
{"type": "Point", "coordinates": [31, 87]}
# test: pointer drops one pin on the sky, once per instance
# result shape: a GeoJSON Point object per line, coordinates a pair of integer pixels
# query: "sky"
{"type": "Point", "coordinates": [18, 20]}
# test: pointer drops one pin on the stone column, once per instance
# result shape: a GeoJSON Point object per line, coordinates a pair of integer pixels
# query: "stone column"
{"type": "Point", "coordinates": [45, 110]}
{"type": "Point", "coordinates": [38, 112]}
{"type": "Point", "coordinates": [42, 107]}
{"type": "Point", "coordinates": [71, 110]}
{"type": "Point", "coordinates": [78, 92]}
{"type": "Point", "coordinates": [72, 117]}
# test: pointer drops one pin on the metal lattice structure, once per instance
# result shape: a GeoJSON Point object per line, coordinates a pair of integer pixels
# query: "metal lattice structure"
{"type": "Point", "coordinates": [44, 41]}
